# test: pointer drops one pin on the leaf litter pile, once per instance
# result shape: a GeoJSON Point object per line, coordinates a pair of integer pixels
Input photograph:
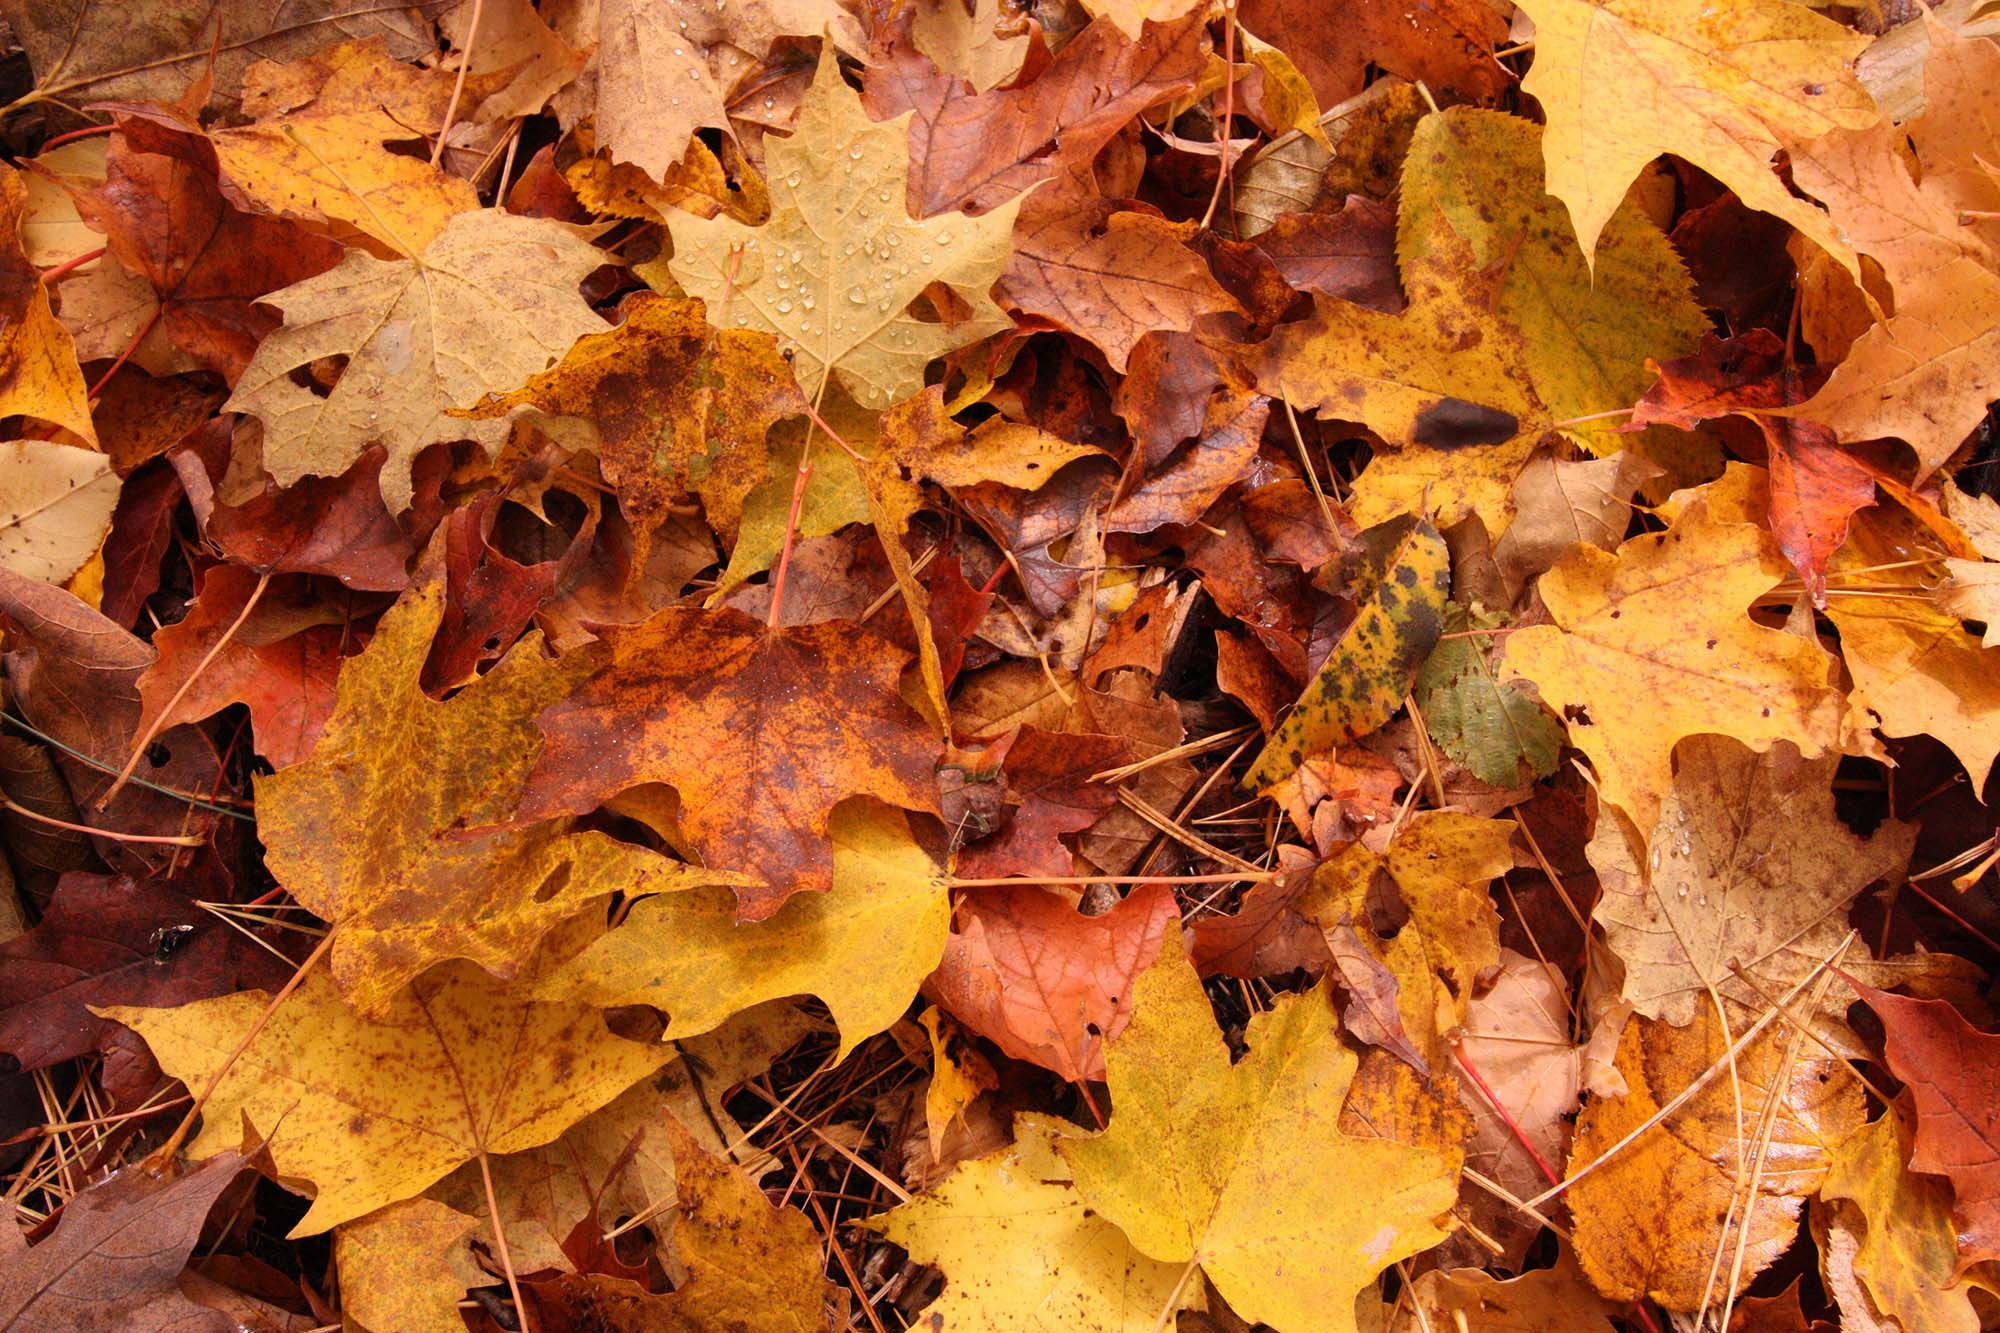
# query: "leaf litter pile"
{"type": "Point", "coordinates": [1113, 665]}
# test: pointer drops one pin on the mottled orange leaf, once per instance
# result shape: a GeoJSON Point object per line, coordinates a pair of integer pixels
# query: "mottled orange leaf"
{"type": "Point", "coordinates": [761, 731]}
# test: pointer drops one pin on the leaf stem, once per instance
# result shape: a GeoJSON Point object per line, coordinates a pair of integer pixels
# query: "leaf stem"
{"type": "Point", "coordinates": [458, 89]}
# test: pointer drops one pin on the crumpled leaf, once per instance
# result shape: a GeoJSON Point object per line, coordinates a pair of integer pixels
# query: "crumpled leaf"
{"type": "Point", "coordinates": [490, 302]}
{"type": "Point", "coordinates": [1622, 81]}
{"type": "Point", "coordinates": [394, 844]}
{"type": "Point", "coordinates": [1507, 332]}
{"type": "Point", "coordinates": [1044, 983]}
{"type": "Point", "coordinates": [1653, 644]}
{"type": "Point", "coordinates": [1750, 868]}
{"type": "Point", "coordinates": [862, 947]}
{"type": "Point", "coordinates": [1401, 586]}
{"type": "Point", "coordinates": [740, 719]}
{"type": "Point", "coordinates": [1020, 1248]}
{"type": "Point", "coordinates": [1241, 1168]}
{"type": "Point", "coordinates": [835, 270]}
{"type": "Point", "coordinates": [112, 1261]}
{"type": "Point", "coordinates": [369, 1111]}
{"type": "Point", "coordinates": [55, 507]}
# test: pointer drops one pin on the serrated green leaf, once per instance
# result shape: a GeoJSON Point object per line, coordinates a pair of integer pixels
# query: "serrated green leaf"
{"type": "Point", "coordinates": [1490, 726]}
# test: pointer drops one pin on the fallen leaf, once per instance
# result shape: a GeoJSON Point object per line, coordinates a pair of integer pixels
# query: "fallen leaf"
{"type": "Point", "coordinates": [39, 375]}
{"type": "Point", "coordinates": [1048, 778]}
{"type": "Point", "coordinates": [862, 947]}
{"type": "Point", "coordinates": [86, 51]}
{"type": "Point", "coordinates": [1622, 82]}
{"type": "Point", "coordinates": [672, 407]}
{"type": "Point", "coordinates": [56, 505]}
{"type": "Point", "coordinates": [1021, 1249]}
{"type": "Point", "coordinates": [1401, 584]}
{"type": "Point", "coordinates": [1653, 644]}
{"type": "Point", "coordinates": [750, 1264]}
{"type": "Point", "coordinates": [1043, 983]}
{"type": "Point", "coordinates": [406, 1267]}
{"type": "Point", "coordinates": [835, 270]}
{"type": "Point", "coordinates": [370, 1111]}
{"type": "Point", "coordinates": [1508, 333]}
{"type": "Point", "coordinates": [1239, 1169]}
{"type": "Point", "coordinates": [209, 264]}
{"type": "Point", "coordinates": [396, 848]}
{"type": "Point", "coordinates": [1947, 1064]}
{"type": "Point", "coordinates": [113, 1258]}
{"type": "Point", "coordinates": [1543, 1300]}
{"type": "Point", "coordinates": [281, 664]}
{"type": "Point", "coordinates": [1496, 728]}
{"type": "Point", "coordinates": [1908, 1255]}
{"type": "Point", "coordinates": [717, 705]}
{"type": "Point", "coordinates": [108, 939]}
{"type": "Point", "coordinates": [1750, 869]}
{"type": "Point", "coordinates": [490, 302]}
{"type": "Point", "coordinates": [1447, 46]}
{"type": "Point", "coordinates": [1651, 1220]}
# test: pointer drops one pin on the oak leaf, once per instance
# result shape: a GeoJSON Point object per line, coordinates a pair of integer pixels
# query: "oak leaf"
{"type": "Point", "coordinates": [836, 269]}
{"type": "Point", "coordinates": [1654, 643]}
{"type": "Point", "coordinates": [386, 829]}
{"type": "Point", "coordinates": [862, 947]}
{"type": "Point", "coordinates": [761, 731]}
{"type": "Point", "coordinates": [1507, 333]}
{"type": "Point", "coordinates": [1240, 1169]}
{"type": "Point", "coordinates": [1623, 81]}
{"type": "Point", "coordinates": [368, 1111]}
{"type": "Point", "coordinates": [1750, 874]}
{"type": "Point", "coordinates": [490, 302]}
{"type": "Point", "coordinates": [1021, 1249]}
{"type": "Point", "coordinates": [1042, 982]}
{"type": "Point", "coordinates": [115, 1253]}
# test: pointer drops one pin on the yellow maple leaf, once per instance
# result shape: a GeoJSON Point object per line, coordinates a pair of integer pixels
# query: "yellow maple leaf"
{"type": "Point", "coordinates": [1241, 1170]}
{"type": "Point", "coordinates": [492, 300]}
{"type": "Point", "coordinates": [1724, 86]}
{"type": "Point", "coordinates": [383, 837]}
{"type": "Point", "coordinates": [862, 947]}
{"type": "Point", "coordinates": [1654, 643]}
{"type": "Point", "coordinates": [1021, 1250]}
{"type": "Point", "coordinates": [406, 1267]}
{"type": "Point", "coordinates": [369, 1111]}
{"type": "Point", "coordinates": [835, 270]}
{"type": "Point", "coordinates": [1508, 332]}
